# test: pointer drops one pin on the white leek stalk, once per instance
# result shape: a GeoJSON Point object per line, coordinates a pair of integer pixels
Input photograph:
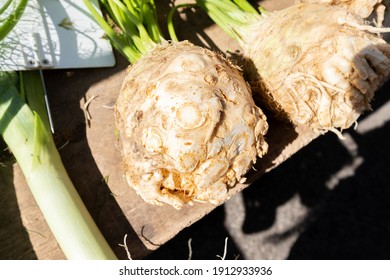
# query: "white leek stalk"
{"type": "Point", "coordinates": [31, 142]}
{"type": "Point", "coordinates": [25, 128]}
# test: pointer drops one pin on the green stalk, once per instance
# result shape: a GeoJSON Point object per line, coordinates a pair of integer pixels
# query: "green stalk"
{"type": "Point", "coordinates": [233, 16]}
{"type": "Point", "coordinates": [135, 23]}
{"type": "Point", "coordinates": [150, 16]}
{"type": "Point", "coordinates": [118, 41]}
{"type": "Point", "coordinates": [32, 92]}
{"type": "Point", "coordinates": [32, 145]}
{"type": "Point", "coordinates": [5, 6]}
{"type": "Point", "coordinates": [245, 6]}
{"type": "Point", "coordinates": [14, 17]}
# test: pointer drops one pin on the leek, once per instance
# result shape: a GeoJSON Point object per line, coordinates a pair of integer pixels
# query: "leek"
{"type": "Point", "coordinates": [25, 129]}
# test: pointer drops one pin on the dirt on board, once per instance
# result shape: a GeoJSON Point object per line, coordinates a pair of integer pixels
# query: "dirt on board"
{"type": "Point", "coordinates": [81, 102]}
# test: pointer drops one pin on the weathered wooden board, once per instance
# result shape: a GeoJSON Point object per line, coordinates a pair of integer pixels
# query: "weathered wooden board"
{"type": "Point", "coordinates": [92, 160]}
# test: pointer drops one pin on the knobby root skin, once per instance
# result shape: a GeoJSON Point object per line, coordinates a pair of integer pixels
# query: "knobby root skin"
{"type": "Point", "coordinates": [362, 8]}
{"type": "Point", "coordinates": [188, 127]}
{"type": "Point", "coordinates": [316, 65]}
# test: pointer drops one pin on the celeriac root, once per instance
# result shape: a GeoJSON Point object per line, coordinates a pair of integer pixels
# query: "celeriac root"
{"type": "Point", "coordinates": [189, 128]}
{"type": "Point", "coordinates": [317, 64]}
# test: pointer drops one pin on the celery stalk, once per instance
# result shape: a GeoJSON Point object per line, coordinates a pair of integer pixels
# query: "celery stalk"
{"type": "Point", "coordinates": [137, 22]}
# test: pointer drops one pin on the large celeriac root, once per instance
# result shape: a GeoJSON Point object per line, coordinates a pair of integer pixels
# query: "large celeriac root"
{"type": "Point", "coordinates": [317, 64]}
{"type": "Point", "coordinates": [188, 127]}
